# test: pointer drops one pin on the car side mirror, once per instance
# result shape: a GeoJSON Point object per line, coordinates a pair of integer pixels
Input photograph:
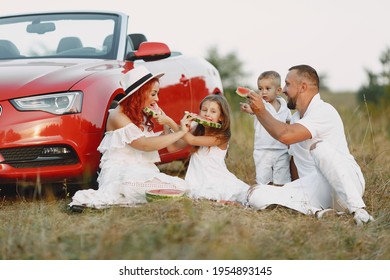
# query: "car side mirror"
{"type": "Point", "coordinates": [150, 51]}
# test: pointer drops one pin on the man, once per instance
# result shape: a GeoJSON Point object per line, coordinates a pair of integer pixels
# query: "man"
{"type": "Point", "coordinates": [326, 176]}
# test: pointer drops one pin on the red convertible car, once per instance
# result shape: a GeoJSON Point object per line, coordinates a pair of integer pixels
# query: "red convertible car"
{"type": "Point", "coordinates": [59, 76]}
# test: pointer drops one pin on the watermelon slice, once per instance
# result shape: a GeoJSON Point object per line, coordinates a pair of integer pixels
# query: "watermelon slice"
{"type": "Point", "coordinates": [243, 91]}
{"type": "Point", "coordinates": [199, 119]}
{"type": "Point", "coordinates": [152, 111]}
{"type": "Point", "coordinates": [161, 194]}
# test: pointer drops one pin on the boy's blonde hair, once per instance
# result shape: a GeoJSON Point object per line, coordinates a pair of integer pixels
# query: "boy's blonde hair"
{"type": "Point", "coordinates": [271, 75]}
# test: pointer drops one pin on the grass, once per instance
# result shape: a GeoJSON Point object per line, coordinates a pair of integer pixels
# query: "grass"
{"type": "Point", "coordinates": [43, 229]}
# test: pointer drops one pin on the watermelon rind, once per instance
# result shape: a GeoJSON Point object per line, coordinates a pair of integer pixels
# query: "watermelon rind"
{"type": "Point", "coordinates": [202, 121]}
{"type": "Point", "coordinates": [151, 197]}
{"type": "Point", "coordinates": [208, 123]}
{"type": "Point", "coordinates": [151, 112]}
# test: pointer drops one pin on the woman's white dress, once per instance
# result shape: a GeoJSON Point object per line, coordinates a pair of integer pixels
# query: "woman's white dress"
{"type": "Point", "coordinates": [208, 177]}
{"type": "Point", "coordinates": [126, 173]}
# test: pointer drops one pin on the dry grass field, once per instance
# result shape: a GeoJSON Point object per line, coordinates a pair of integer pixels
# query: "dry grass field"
{"type": "Point", "coordinates": [44, 229]}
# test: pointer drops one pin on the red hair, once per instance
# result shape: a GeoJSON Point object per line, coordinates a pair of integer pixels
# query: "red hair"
{"type": "Point", "coordinates": [133, 105]}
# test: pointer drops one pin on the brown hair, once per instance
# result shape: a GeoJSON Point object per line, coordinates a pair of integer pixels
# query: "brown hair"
{"type": "Point", "coordinates": [132, 106]}
{"type": "Point", "coordinates": [307, 72]}
{"type": "Point", "coordinates": [224, 133]}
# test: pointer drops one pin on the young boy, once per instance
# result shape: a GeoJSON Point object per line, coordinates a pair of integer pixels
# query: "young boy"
{"type": "Point", "coordinates": [271, 157]}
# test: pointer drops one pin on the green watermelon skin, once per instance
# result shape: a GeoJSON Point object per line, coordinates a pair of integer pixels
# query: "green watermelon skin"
{"type": "Point", "coordinates": [163, 194]}
{"type": "Point", "coordinates": [208, 123]}
{"type": "Point", "coordinates": [202, 121]}
{"type": "Point", "coordinates": [151, 112]}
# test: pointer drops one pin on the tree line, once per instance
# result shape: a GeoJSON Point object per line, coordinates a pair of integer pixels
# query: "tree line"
{"type": "Point", "coordinates": [375, 93]}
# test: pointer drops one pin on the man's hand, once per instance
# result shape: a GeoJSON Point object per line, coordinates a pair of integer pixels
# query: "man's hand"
{"type": "Point", "coordinates": [255, 101]}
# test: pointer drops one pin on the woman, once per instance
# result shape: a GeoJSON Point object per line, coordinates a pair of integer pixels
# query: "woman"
{"type": "Point", "coordinates": [130, 148]}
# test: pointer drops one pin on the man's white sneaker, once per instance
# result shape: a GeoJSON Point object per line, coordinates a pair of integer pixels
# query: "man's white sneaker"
{"type": "Point", "coordinates": [361, 217]}
{"type": "Point", "coordinates": [325, 213]}
{"type": "Point", "coordinates": [329, 212]}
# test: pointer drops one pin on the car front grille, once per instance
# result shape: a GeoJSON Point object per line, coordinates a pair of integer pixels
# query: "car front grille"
{"type": "Point", "coordinates": [39, 156]}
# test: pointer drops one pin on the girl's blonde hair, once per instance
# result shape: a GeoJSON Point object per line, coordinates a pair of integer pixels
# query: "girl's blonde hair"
{"type": "Point", "coordinates": [223, 134]}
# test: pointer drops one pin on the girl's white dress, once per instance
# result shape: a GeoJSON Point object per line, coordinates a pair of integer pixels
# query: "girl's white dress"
{"type": "Point", "coordinates": [126, 173]}
{"type": "Point", "coordinates": [208, 177]}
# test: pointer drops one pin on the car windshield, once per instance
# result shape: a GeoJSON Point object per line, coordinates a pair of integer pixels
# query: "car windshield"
{"type": "Point", "coordinates": [80, 35]}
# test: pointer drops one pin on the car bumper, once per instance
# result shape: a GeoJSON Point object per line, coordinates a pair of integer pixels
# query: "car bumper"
{"type": "Point", "coordinates": [35, 146]}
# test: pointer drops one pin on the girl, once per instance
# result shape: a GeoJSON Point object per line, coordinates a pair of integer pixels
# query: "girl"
{"type": "Point", "coordinates": [207, 175]}
{"type": "Point", "coordinates": [130, 148]}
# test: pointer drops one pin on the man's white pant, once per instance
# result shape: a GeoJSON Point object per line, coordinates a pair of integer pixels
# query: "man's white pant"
{"type": "Point", "coordinates": [338, 183]}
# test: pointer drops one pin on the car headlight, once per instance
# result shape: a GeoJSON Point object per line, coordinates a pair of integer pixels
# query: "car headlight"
{"type": "Point", "coordinates": [57, 103]}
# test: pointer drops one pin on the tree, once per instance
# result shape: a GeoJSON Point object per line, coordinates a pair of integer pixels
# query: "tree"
{"type": "Point", "coordinates": [373, 92]}
{"type": "Point", "coordinates": [377, 91]}
{"type": "Point", "coordinates": [385, 61]}
{"type": "Point", "coordinates": [230, 67]}
{"type": "Point", "coordinates": [323, 85]}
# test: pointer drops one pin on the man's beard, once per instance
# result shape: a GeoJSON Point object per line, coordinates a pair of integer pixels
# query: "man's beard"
{"type": "Point", "coordinates": [291, 104]}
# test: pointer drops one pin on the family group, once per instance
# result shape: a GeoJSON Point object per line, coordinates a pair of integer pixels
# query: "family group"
{"type": "Point", "coordinates": [302, 160]}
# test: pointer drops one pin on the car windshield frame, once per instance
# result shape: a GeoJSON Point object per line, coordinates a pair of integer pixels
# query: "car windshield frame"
{"type": "Point", "coordinates": [92, 35]}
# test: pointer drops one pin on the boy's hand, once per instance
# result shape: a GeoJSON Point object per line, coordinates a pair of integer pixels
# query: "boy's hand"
{"type": "Point", "coordinates": [246, 108]}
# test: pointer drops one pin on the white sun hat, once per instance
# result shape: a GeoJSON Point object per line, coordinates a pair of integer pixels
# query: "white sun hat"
{"type": "Point", "coordinates": [136, 78]}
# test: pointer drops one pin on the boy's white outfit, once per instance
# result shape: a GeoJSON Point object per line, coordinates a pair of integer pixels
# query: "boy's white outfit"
{"type": "Point", "coordinates": [271, 157]}
{"type": "Point", "coordinates": [329, 176]}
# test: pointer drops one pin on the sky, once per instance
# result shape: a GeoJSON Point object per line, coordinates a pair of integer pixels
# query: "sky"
{"type": "Point", "coordinates": [339, 38]}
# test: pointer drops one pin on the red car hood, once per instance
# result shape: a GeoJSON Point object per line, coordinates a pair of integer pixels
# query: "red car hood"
{"type": "Point", "coordinates": [19, 78]}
